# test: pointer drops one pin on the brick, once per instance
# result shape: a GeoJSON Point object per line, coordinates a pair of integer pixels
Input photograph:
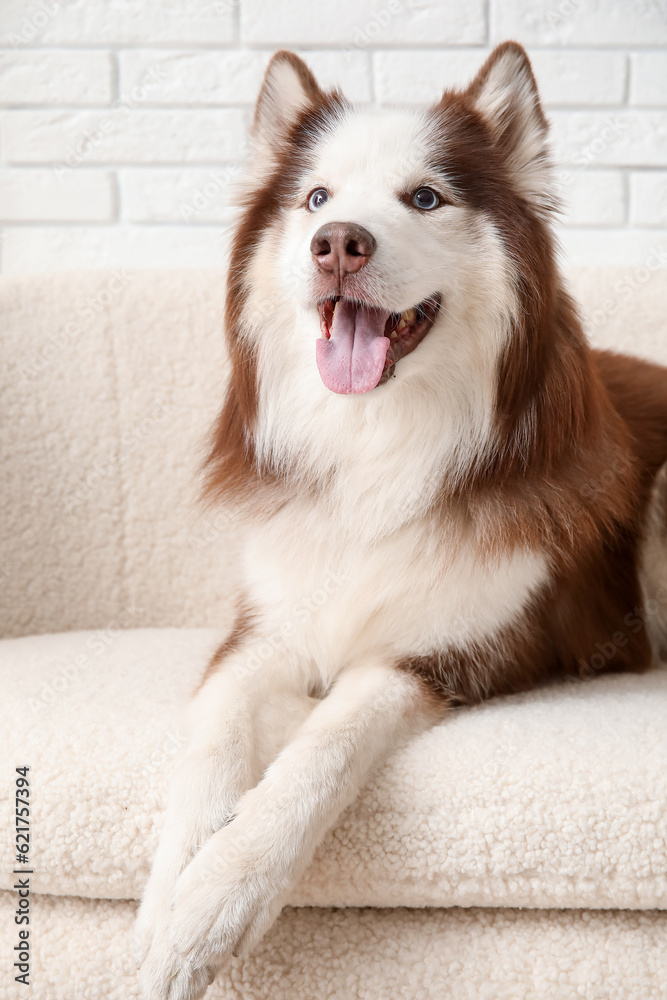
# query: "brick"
{"type": "Point", "coordinates": [619, 138]}
{"type": "Point", "coordinates": [122, 135]}
{"type": "Point", "coordinates": [34, 77]}
{"type": "Point", "coordinates": [420, 76]}
{"type": "Point", "coordinates": [232, 77]}
{"type": "Point", "coordinates": [564, 78]}
{"type": "Point", "coordinates": [571, 78]}
{"type": "Point", "coordinates": [39, 195]}
{"type": "Point", "coordinates": [195, 77]}
{"type": "Point", "coordinates": [56, 248]}
{"type": "Point", "coordinates": [648, 198]}
{"type": "Point", "coordinates": [363, 24]}
{"type": "Point", "coordinates": [648, 78]}
{"type": "Point", "coordinates": [193, 196]}
{"type": "Point", "coordinates": [614, 247]}
{"type": "Point", "coordinates": [117, 22]}
{"type": "Point", "coordinates": [592, 197]}
{"type": "Point", "coordinates": [580, 22]}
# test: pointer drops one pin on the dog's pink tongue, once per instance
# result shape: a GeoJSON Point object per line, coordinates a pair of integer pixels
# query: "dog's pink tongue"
{"type": "Point", "coordinates": [352, 360]}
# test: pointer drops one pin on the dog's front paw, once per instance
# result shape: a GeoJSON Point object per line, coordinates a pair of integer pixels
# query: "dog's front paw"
{"type": "Point", "coordinates": [165, 975]}
{"type": "Point", "coordinates": [228, 896]}
{"type": "Point", "coordinates": [201, 798]}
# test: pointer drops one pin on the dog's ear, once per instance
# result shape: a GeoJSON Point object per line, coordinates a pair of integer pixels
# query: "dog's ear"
{"type": "Point", "coordinates": [289, 88]}
{"type": "Point", "coordinates": [505, 93]}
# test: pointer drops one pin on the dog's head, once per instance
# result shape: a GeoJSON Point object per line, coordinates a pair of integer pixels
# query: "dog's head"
{"type": "Point", "coordinates": [371, 228]}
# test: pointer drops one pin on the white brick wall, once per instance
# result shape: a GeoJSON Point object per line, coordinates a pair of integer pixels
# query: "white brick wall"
{"type": "Point", "coordinates": [122, 122]}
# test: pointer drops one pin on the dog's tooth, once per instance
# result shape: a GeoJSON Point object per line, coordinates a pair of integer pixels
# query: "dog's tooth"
{"type": "Point", "coordinates": [393, 335]}
{"type": "Point", "coordinates": [401, 325]}
{"type": "Point", "coordinates": [409, 315]}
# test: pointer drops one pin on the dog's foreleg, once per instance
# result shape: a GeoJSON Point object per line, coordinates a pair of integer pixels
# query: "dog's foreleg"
{"type": "Point", "coordinates": [237, 884]}
{"type": "Point", "coordinates": [225, 755]}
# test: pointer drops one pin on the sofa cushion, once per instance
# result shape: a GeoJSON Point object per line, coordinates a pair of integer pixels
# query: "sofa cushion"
{"type": "Point", "coordinates": [83, 951]}
{"type": "Point", "coordinates": [550, 799]}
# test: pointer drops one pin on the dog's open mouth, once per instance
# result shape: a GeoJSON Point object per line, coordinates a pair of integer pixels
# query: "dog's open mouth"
{"type": "Point", "coordinates": [361, 344]}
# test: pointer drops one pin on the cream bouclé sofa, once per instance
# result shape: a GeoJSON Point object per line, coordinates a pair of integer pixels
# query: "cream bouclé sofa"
{"type": "Point", "coordinates": [518, 850]}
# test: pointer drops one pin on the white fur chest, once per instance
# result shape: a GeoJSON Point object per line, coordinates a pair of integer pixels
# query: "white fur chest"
{"type": "Point", "coordinates": [327, 597]}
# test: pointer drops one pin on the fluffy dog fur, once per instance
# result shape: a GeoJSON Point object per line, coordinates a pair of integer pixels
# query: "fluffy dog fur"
{"type": "Point", "coordinates": [473, 525]}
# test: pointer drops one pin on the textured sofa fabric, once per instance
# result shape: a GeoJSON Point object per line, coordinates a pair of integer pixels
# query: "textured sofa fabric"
{"type": "Point", "coordinates": [554, 801]}
{"type": "Point", "coordinates": [556, 798]}
{"type": "Point", "coordinates": [84, 953]}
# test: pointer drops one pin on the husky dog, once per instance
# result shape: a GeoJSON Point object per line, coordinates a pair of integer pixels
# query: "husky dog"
{"type": "Point", "coordinates": [443, 489]}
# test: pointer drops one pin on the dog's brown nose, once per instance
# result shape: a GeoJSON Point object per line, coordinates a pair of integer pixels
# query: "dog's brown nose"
{"type": "Point", "coordinates": [342, 248]}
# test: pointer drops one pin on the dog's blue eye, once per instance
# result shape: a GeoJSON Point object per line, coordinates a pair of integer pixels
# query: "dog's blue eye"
{"type": "Point", "coordinates": [425, 198]}
{"type": "Point", "coordinates": [319, 197]}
